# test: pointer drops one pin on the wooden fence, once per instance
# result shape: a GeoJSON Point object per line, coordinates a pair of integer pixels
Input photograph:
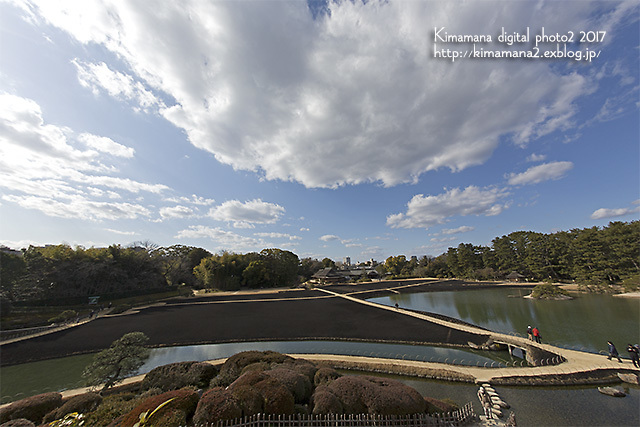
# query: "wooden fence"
{"type": "Point", "coordinates": [455, 418]}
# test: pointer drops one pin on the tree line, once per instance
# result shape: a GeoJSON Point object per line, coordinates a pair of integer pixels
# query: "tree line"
{"type": "Point", "coordinates": [595, 255]}
{"type": "Point", "coordinates": [58, 274]}
{"type": "Point", "coordinates": [592, 256]}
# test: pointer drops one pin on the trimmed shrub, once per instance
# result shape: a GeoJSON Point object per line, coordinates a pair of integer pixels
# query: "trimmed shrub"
{"type": "Point", "coordinates": [298, 384]}
{"type": "Point", "coordinates": [250, 400]}
{"type": "Point", "coordinates": [81, 403]}
{"type": "Point", "coordinates": [112, 408]}
{"type": "Point", "coordinates": [175, 376]}
{"type": "Point", "coordinates": [374, 395]}
{"type": "Point", "coordinates": [258, 367]}
{"type": "Point", "coordinates": [236, 363]}
{"type": "Point", "coordinates": [184, 401]}
{"type": "Point", "coordinates": [277, 398]}
{"type": "Point", "coordinates": [301, 366]}
{"type": "Point", "coordinates": [325, 375]}
{"type": "Point", "coordinates": [216, 405]}
{"type": "Point", "coordinates": [349, 390]}
{"type": "Point", "coordinates": [324, 401]}
{"type": "Point", "coordinates": [391, 397]}
{"type": "Point", "coordinates": [32, 408]}
{"type": "Point", "coordinates": [438, 406]}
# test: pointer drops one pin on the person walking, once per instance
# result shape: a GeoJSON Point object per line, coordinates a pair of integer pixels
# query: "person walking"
{"type": "Point", "coordinates": [613, 352]}
{"type": "Point", "coordinates": [634, 354]}
{"type": "Point", "coordinates": [529, 333]}
{"type": "Point", "coordinates": [536, 335]}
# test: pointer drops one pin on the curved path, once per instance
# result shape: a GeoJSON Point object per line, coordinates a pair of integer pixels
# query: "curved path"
{"type": "Point", "coordinates": [333, 312]}
{"type": "Point", "coordinates": [574, 367]}
{"type": "Point", "coordinates": [277, 316]}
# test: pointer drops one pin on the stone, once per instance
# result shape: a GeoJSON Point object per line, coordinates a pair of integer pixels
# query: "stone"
{"type": "Point", "coordinates": [611, 391]}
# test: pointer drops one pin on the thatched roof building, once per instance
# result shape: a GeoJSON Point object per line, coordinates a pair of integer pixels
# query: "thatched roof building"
{"type": "Point", "coordinates": [515, 276]}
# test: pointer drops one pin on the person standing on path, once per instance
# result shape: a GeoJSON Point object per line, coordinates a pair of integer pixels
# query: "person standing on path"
{"type": "Point", "coordinates": [634, 354]}
{"type": "Point", "coordinates": [613, 352]}
{"type": "Point", "coordinates": [536, 335]}
{"type": "Point", "coordinates": [529, 333]}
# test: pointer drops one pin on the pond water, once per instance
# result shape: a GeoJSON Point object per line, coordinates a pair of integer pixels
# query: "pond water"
{"type": "Point", "coordinates": [546, 406]}
{"type": "Point", "coordinates": [584, 323]}
{"type": "Point", "coordinates": [65, 373]}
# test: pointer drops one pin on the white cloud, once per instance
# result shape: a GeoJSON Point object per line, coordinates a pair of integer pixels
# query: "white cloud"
{"type": "Point", "coordinates": [221, 238]}
{"type": "Point", "coordinates": [106, 145]}
{"type": "Point", "coordinates": [461, 229]}
{"type": "Point", "coordinates": [540, 173]}
{"type": "Point", "coordinates": [329, 237]}
{"type": "Point", "coordinates": [442, 239]}
{"type": "Point", "coordinates": [52, 169]}
{"type": "Point", "coordinates": [245, 215]}
{"type": "Point", "coordinates": [122, 233]}
{"type": "Point", "coordinates": [278, 236]}
{"type": "Point", "coordinates": [176, 212]}
{"type": "Point", "coordinates": [353, 245]}
{"type": "Point", "coordinates": [536, 157]}
{"type": "Point", "coordinates": [194, 200]}
{"type": "Point", "coordinates": [265, 88]}
{"type": "Point", "coordinates": [603, 213]}
{"type": "Point", "coordinates": [99, 77]}
{"type": "Point", "coordinates": [80, 208]}
{"type": "Point", "coordinates": [427, 211]}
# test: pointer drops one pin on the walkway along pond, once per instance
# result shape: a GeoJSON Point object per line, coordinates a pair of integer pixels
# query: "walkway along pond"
{"type": "Point", "coordinates": [575, 368]}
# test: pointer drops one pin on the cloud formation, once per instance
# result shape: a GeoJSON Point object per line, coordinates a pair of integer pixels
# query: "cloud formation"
{"type": "Point", "coordinates": [221, 239]}
{"type": "Point", "coordinates": [99, 77]}
{"type": "Point", "coordinates": [274, 235]}
{"type": "Point", "coordinates": [178, 211]}
{"type": "Point", "coordinates": [427, 211]}
{"type": "Point", "coordinates": [540, 173]}
{"type": "Point", "coordinates": [603, 213]}
{"type": "Point", "coordinates": [266, 88]}
{"type": "Point", "coordinates": [461, 229]}
{"type": "Point", "coordinates": [244, 215]}
{"type": "Point", "coordinates": [53, 169]}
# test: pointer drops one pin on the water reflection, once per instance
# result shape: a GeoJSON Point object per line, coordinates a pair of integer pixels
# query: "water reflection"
{"type": "Point", "coordinates": [162, 356]}
{"type": "Point", "coordinates": [586, 322]}
{"type": "Point", "coordinates": [65, 373]}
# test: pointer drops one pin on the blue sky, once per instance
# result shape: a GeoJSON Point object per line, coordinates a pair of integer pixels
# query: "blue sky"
{"type": "Point", "coordinates": [330, 131]}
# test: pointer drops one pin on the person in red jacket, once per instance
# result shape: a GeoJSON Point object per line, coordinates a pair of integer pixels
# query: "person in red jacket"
{"type": "Point", "coordinates": [536, 335]}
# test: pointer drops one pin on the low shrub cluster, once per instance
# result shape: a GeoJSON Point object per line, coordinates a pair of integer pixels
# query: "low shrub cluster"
{"type": "Point", "coordinates": [248, 383]}
{"type": "Point", "coordinates": [549, 291]}
{"type": "Point", "coordinates": [32, 408]}
{"type": "Point", "coordinates": [178, 375]}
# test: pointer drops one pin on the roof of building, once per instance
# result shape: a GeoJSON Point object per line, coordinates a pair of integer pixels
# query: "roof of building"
{"type": "Point", "coordinates": [514, 275]}
{"type": "Point", "coordinates": [327, 273]}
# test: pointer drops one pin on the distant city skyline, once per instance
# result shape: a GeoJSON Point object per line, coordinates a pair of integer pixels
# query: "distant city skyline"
{"type": "Point", "coordinates": [330, 129]}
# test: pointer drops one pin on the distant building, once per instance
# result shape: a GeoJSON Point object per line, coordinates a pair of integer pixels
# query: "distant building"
{"type": "Point", "coordinates": [9, 251]}
{"type": "Point", "coordinates": [347, 261]}
{"type": "Point", "coordinates": [328, 275]}
{"type": "Point", "coordinates": [515, 277]}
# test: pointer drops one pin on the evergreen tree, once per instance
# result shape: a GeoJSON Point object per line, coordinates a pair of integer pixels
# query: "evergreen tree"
{"type": "Point", "coordinates": [121, 360]}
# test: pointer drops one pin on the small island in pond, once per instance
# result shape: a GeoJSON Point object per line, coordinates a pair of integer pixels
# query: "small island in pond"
{"type": "Point", "coordinates": [549, 292]}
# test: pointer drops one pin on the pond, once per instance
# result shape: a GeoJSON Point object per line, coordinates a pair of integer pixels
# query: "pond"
{"type": "Point", "coordinates": [65, 373]}
{"type": "Point", "coordinates": [584, 323]}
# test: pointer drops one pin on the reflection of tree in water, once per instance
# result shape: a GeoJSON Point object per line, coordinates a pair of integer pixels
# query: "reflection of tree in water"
{"type": "Point", "coordinates": [587, 321]}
